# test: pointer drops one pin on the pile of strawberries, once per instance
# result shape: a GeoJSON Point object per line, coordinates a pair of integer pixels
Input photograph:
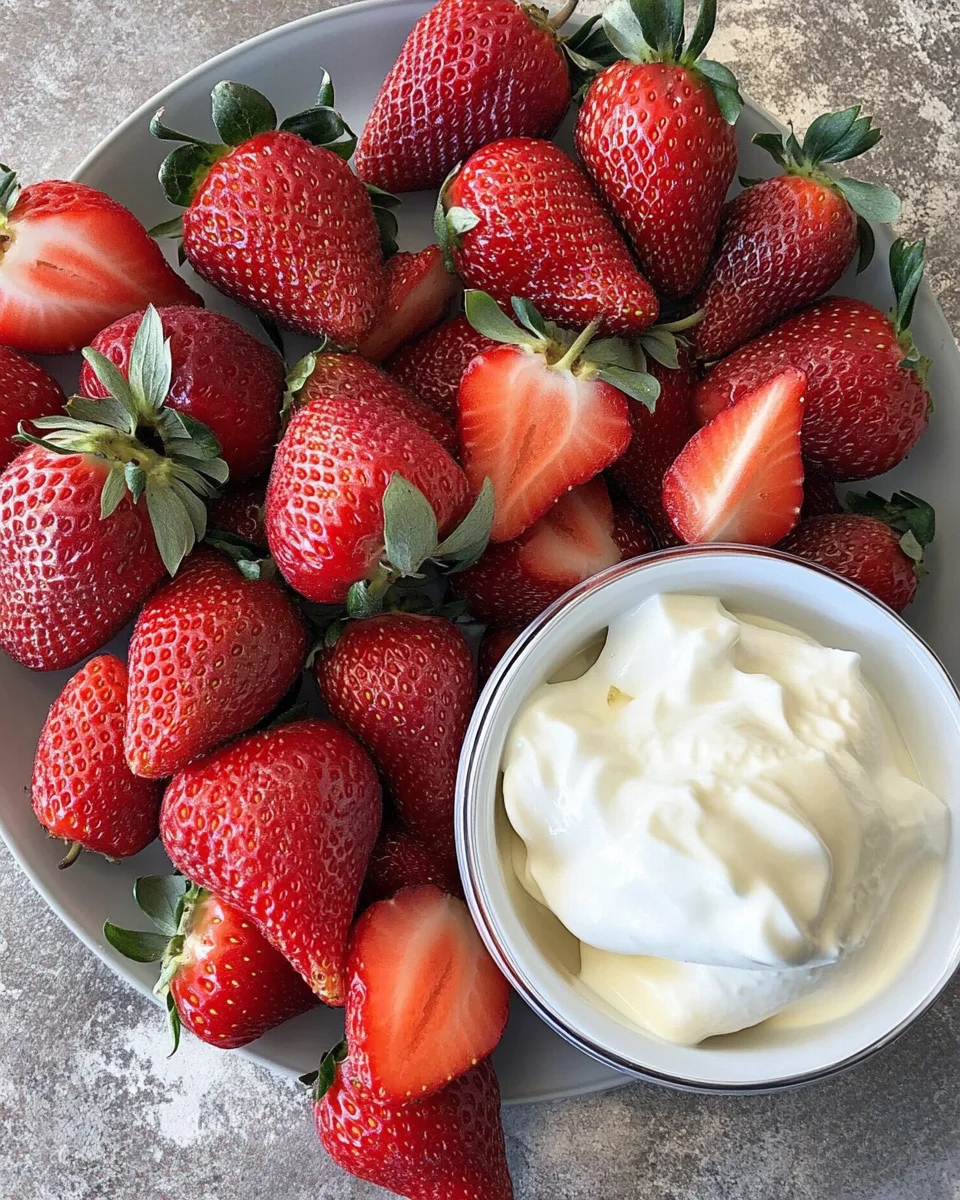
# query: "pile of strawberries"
{"type": "Point", "coordinates": [636, 361]}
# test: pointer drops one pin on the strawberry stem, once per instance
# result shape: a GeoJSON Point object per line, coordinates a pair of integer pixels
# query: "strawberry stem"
{"type": "Point", "coordinates": [71, 856]}
{"type": "Point", "coordinates": [584, 340]}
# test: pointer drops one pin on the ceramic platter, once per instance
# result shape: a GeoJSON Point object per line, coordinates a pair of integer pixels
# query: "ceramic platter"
{"type": "Point", "coordinates": [358, 44]}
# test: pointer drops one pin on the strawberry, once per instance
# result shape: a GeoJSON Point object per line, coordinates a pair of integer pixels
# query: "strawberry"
{"type": "Point", "coordinates": [580, 535]}
{"type": "Point", "coordinates": [82, 789]}
{"type": "Point", "coordinates": [866, 398]}
{"type": "Point", "coordinates": [495, 644]}
{"type": "Point", "coordinates": [405, 685]}
{"type": "Point", "coordinates": [405, 1039]}
{"type": "Point", "coordinates": [448, 1146]}
{"type": "Point", "coordinates": [785, 241]}
{"type": "Point", "coordinates": [655, 131]}
{"type": "Point", "coordinates": [71, 261]}
{"type": "Point", "coordinates": [222, 376]}
{"type": "Point", "coordinates": [471, 71]}
{"type": "Point", "coordinates": [433, 366]}
{"type": "Point", "coordinates": [212, 653]}
{"type": "Point", "coordinates": [26, 392]}
{"type": "Point", "coordinates": [274, 218]}
{"type": "Point", "coordinates": [90, 515]}
{"type": "Point", "coordinates": [740, 478]}
{"type": "Point", "coordinates": [419, 288]}
{"type": "Point", "coordinates": [400, 860]}
{"type": "Point", "coordinates": [219, 976]}
{"type": "Point", "coordinates": [878, 544]}
{"type": "Point", "coordinates": [819, 495]}
{"type": "Point", "coordinates": [239, 511]}
{"type": "Point", "coordinates": [356, 498]}
{"type": "Point", "coordinates": [520, 218]}
{"type": "Point", "coordinates": [543, 413]}
{"type": "Point", "coordinates": [280, 825]}
{"type": "Point", "coordinates": [346, 376]}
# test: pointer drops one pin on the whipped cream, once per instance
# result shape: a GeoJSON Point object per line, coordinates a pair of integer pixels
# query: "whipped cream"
{"type": "Point", "coordinates": [720, 809]}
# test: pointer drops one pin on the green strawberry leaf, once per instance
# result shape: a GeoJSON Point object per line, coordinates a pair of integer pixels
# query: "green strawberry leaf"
{"type": "Point", "coordinates": [725, 88]}
{"type": "Point", "coordinates": [906, 272]}
{"type": "Point", "coordinates": [112, 378]}
{"type": "Point", "coordinates": [9, 189]}
{"type": "Point", "coordinates": [172, 525]}
{"type": "Point", "coordinates": [623, 30]}
{"type": "Point", "coordinates": [324, 1078]}
{"type": "Point", "coordinates": [487, 317]}
{"type": "Point", "coordinates": [870, 201]}
{"type": "Point", "coordinates": [703, 30]}
{"type": "Point", "coordinates": [173, 1021]}
{"type": "Point", "coordinates": [185, 168]}
{"type": "Point", "coordinates": [139, 946]}
{"type": "Point", "coordinates": [773, 143]}
{"type": "Point", "coordinates": [904, 512]}
{"type": "Point", "coordinates": [528, 316]}
{"type": "Point", "coordinates": [325, 93]}
{"type": "Point", "coordinates": [240, 112]}
{"type": "Point", "coordinates": [388, 227]}
{"type": "Point", "coordinates": [114, 490]}
{"type": "Point", "coordinates": [826, 132]}
{"type": "Point", "coordinates": [867, 244]}
{"type": "Point", "coordinates": [151, 368]}
{"type": "Point", "coordinates": [467, 542]}
{"type": "Point", "coordinates": [636, 385]}
{"type": "Point", "coordinates": [409, 525]}
{"type": "Point", "coordinates": [363, 601]}
{"type": "Point", "coordinates": [161, 898]}
{"type": "Point", "coordinates": [172, 228]}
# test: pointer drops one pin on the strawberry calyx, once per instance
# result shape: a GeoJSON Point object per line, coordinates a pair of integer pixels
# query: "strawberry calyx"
{"type": "Point", "coordinates": [906, 514]}
{"type": "Point", "coordinates": [151, 450]}
{"type": "Point", "coordinates": [170, 901]}
{"type": "Point", "coordinates": [322, 1080]}
{"type": "Point", "coordinates": [646, 31]}
{"type": "Point", "coordinates": [587, 50]}
{"type": "Point", "coordinates": [620, 363]}
{"type": "Point", "coordinates": [9, 191]}
{"type": "Point", "coordinates": [907, 263]}
{"type": "Point", "coordinates": [836, 137]}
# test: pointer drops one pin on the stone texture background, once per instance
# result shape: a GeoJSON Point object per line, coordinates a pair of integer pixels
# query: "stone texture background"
{"type": "Point", "coordinates": [90, 1107]}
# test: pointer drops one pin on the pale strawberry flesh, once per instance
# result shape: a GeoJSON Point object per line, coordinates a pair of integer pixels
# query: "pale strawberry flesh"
{"type": "Point", "coordinates": [419, 288]}
{"type": "Point", "coordinates": [425, 1000]}
{"type": "Point", "coordinates": [740, 478]}
{"type": "Point", "coordinates": [575, 538]}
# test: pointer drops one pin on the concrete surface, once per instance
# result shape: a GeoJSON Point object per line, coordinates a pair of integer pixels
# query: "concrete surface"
{"type": "Point", "coordinates": [90, 1107]}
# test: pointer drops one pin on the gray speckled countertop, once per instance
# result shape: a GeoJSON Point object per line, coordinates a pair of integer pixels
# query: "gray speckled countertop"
{"type": "Point", "coordinates": [90, 1107]}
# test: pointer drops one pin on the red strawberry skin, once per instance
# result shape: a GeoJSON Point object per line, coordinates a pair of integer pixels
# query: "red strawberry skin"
{"type": "Point", "coordinates": [863, 549]}
{"type": "Point", "coordinates": [287, 229]}
{"type": "Point", "coordinates": [212, 653]}
{"type": "Point", "coordinates": [657, 146]}
{"type": "Point", "coordinates": [783, 242]}
{"type": "Point", "coordinates": [26, 391]}
{"type": "Point", "coordinates": [68, 580]}
{"type": "Point", "coordinates": [419, 287]}
{"type": "Point", "coordinates": [232, 986]}
{"type": "Point", "coordinates": [82, 789]}
{"type": "Point", "coordinates": [405, 685]}
{"type": "Point", "coordinates": [433, 366]}
{"type": "Point", "coordinates": [401, 860]}
{"type": "Point", "coordinates": [71, 261]}
{"type": "Point", "coordinates": [657, 439]}
{"type": "Point", "coordinates": [346, 376]}
{"type": "Point", "coordinates": [495, 644]}
{"type": "Point", "coordinates": [863, 412]}
{"type": "Point", "coordinates": [819, 496]}
{"type": "Point", "coordinates": [448, 1146]}
{"type": "Point", "coordinates": [240, 511]}
{"type": "Point", "coordinates": [222, 376]}
{"type": "Point", "coordinates": [544, 235]}
{"type": "Point", "coordinates": [582, 534]}
{"type": "Point", "coordinates": [470, 72]}
{"type": "Point", "coordinates": [280, 825]}
{"type": "Point", "coordinates": [407, 1040]}
{"type": "Point", "coordinates": [325, 535]}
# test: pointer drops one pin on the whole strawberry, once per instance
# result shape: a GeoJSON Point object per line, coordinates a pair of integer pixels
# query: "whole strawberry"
{"type": "Point", "coordinates": [405, 685]}
{"type": "Point", "coordinates": [418, 289]}
{"type": "Point", "coordinates": [239, 511]}
{"type": "Point", "coordinates": [520, 218]}
{"type": "Point", "coordinates": [26, 392]}
{"type": "Point", "coordinates": [448, 1146]}
{"type": "Point", "coordinates": [819, 496]}
{"type": "Point", "coordinates": [82, 789]}
{"type": "Point", "coordinates": [399, 860]}
{"type": "Point", "coordinates": [280, 825]}
{"type": "Point", "coordinates": [496, 642]}
{"type": "Point", "coordinates": [91, 514]}
{"type": "Point", "coordinates": [785, 241]}
{"type": "Point", "coordinates": [331, 376]}
{"type": "Point", "coordinates": [71, 261]}
{"type": "Point", "coordinates": [433, 366]}
{"type": "Point", "coordinates": [471, 71]}
{"type": "Point", "coordinates": [222, 376]}
{"type": "Point", "coordinates": [219, 975]}
{"type": "Point", "coordinates": [878, 544]}
{"type": "Point", "coordinates": [212, 653]}
{"type": "Point", "coordinates": [358, 497]}
{"type": "Point", "coordinates": [655, 131]}
{"type": "Point", "coordinates": [274, 218]}
{"type": "Point", "coordinates": [580, 535]}
{"type": "Point", "coordinates": [866, 398]}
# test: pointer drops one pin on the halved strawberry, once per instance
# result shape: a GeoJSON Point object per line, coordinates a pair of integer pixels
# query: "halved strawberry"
{"type": "Point", "coordinates": [543, 413]}
{"type": "Point", "coordinates": [419, 288]}
{"type": "Point", "coordinates": [425, 1001]}
{"type": "Point", "coordinates": [740, 478]}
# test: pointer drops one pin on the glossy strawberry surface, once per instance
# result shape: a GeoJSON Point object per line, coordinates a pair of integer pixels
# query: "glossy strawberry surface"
{"type": "Point", "coordinates": [433, 366]}
{"type": "Point", "coordinates": [26, 391]}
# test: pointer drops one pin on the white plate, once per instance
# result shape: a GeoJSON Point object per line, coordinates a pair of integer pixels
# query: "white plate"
{"type": "Point", "coordinates": [358, 44]}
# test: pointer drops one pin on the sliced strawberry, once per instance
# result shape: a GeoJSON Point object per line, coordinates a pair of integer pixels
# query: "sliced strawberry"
{"type": "Point", "coordinates": [425, 1001]}
{"type": "Point", "coordinates": [740, 478]}
{"type": "Point", "coordinates": [419, 288]}
{"type": "Point", "coordinates": [71, 261]}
